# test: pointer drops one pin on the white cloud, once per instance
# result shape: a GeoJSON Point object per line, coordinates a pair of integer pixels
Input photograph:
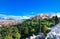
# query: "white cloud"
{"type": "Point", "coordinates": [22, 17]}
{"type": "Point", "coordinates": [54, 14]}
{"type": "Point", "coordinates": [14, 17]}
{"type": "Point", "coordinates": [58, 14]}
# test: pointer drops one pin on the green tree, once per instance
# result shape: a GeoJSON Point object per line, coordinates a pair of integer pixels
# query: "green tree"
{"type": "Point", "coordinates": [46, 30]}
{"type": "Point", "coordinates": [8, 37]}
{"type": "Point", "coordinates": [17, 35]}
{"type": "Point", "coordinates": [39, 24]}
{"type": "Point", "coordinates": [56, 20]}
{"type": "Point", "coordinates": [1, 36]}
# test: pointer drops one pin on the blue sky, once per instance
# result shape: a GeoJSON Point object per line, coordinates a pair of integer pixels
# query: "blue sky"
{"type": "Point", "coordinates": [29, 7]}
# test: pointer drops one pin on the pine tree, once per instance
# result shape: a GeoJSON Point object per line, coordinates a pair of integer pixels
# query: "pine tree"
{"type": "Point", "coordinates": [56, 20]}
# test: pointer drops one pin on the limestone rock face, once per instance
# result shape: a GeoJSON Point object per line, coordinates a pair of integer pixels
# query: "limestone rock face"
{"type": "Point", "coordinates": [40, 36]}
{"type": "Point", "coordinates": [54, 33]}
